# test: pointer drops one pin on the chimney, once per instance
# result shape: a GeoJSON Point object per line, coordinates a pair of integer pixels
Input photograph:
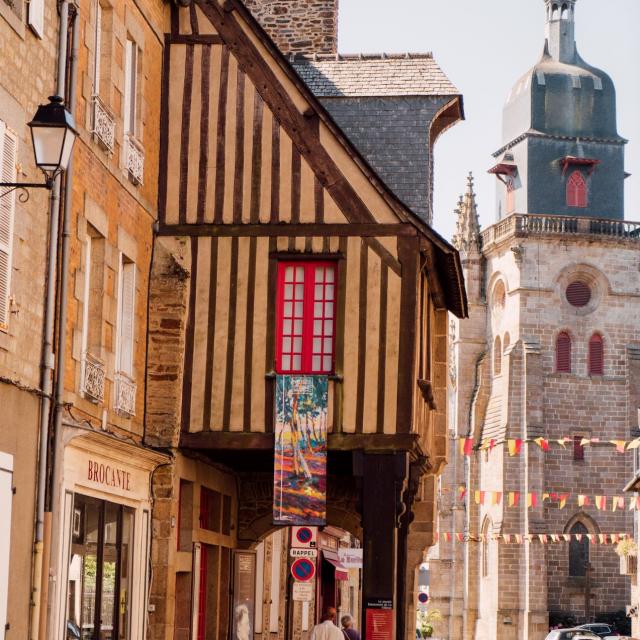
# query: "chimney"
{"type": "Point", "coordinates": [299, 26]}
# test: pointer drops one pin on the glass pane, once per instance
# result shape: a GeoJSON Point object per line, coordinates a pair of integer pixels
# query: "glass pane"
{"type": "Point", "coordinates": [328, 292]}
{"type": "Point", "coordinates": [316, 363]}
{"type": "Point", "coordinates": [328, 310]}
{"type": "Point", "coordinates": [297, 327]}
{"type": "Point", "coordinates": [319, 274]}
{"type": "Point", "coordinates": [299, 291]}
{"type": "Point", "coordinates": [328, 343]}
{"type": "Point", "coordinates": [83, 563]}
{"type": "Point", "coordinates": [328, 327]}
{"type": "Point", "coordinates": [286, 345]}
{"type": "Point", "coordinates": [297, 363]}
{"type": "Point", "coordinates": [329, 274]}
{"type": "Point", "coordinates": [317, 327]}
{"type": "Point", "coordinates": [287, 309]}
{"type": "Point", "coordinates": [326, 364]}
{"type": "Point", "coordinates": [319, 290]}
{"type": "Point", "coordinates": [109, 572]}
{"type": "Point", "coordinates": [126, 570]}
{"type": "Point", "coordinates": [317, 342]}
{"type": "Point", "coordinates": [317, 310]}
{"type": "Point", "coordinates": [288, 291]}
{"type": "Point", "coordinates": [297, 345]}
{"type": "Point", "coordinates": [299, 307]}
{"type": "Point", "coordinates": [286, 327]}
{"type": "Point", "coordinates": [299, 274]}
{"type": "Point", "coordinates": [286, 363]}
{"type": "Point", "coordinates": [288, 274]}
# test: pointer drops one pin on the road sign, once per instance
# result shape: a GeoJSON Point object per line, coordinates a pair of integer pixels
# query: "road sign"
{"type": "Point", "coordinates": [303, 569]}
{"type": "Point", "coordinates": [302, 592]}
{"type": "Point", "coordinates": [303, 553]}
{"type": "Point", "coordinates": [304, 537]}
{"type": "Point", "coordinates": [423, 597]}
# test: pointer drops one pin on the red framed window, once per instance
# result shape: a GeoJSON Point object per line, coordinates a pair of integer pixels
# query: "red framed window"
{"type": "Point", "coordinates": [576, 190]}
{"type": "Point", "coordinates": [596, 355]}
{"type": "Point", "coordinates": [563, 352]}
{"type": "Point", "coordinates": [305, 326]}
{"type": "Point", "coordinates": [578, 449]}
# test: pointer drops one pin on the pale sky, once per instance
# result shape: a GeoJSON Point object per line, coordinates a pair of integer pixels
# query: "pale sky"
{"type": "Point", "coordinates": [484, 46]}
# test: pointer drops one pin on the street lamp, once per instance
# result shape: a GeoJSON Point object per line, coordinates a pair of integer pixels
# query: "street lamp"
{"type": "Point", "coordinates": [53, 135]}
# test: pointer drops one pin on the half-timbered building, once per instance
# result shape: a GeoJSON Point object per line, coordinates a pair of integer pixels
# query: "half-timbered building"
{"type": "Point", "coordinates": [279, 250]}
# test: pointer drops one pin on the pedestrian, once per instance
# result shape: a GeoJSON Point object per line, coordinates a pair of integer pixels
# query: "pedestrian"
{"type": "Point", "coordinates": [327, 629]}
{"type": "Point", "coordinates": [347, 628]}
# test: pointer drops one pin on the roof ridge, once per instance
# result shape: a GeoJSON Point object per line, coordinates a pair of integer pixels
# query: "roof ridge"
{"type": "Point", "coordinates": [340, 57]}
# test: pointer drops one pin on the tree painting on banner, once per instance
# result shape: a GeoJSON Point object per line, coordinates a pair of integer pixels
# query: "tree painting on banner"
{"type": "Point", "coordinates": [300, 465]}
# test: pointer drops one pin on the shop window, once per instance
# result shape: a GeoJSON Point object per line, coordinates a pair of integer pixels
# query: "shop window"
{"type": "Point", "coordinates": [578, 449]}
{"type": "Point", "coordinates": [596, 355]}
{"type": "Point", "coordinates": [100, 570]}
{"type": "Point", "coordinates": [578, 551]}
{"type": "Point", "coordinates": [305, 317]}
{"type": "Point", "coordinates": [213, 602]}
{"type": "Point", "coordinates": [563, 353]}
{"type": "Point", "coordinates": [576, 190]}
{"type": "Point", "coordinates": [8, 160]}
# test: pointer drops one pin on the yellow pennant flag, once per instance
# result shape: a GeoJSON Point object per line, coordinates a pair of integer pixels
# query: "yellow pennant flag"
{"type": "Point", "coordinates": [620, 445]}
{"type": "Point", "coordinates": [566, 537]}
{"type": "Point", "coordinates": [563, 442]}
{"type": "Point", "coordinates": [634, 444]}
{"type": "Point", "coordinates": [618, 503]}
{"type": "Point", "coordinates": [582, 500]}
{"type": "Point", "coordinates": [496, 497]}
{"type": "Point", "coordinates": [603, 538]}
{"type": "Point", "coordinates": [562, 502]}
{"type": "Point", "coordinates": [555, 537]}
{"type": "Point", "coordinates": [584, 442]}
{"type": "Point", "coordinates": [514, 496]}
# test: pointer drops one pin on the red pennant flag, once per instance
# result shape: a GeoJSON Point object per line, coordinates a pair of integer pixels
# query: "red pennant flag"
{"type": "Point", "coordinates": [496, 497]}
{"type": "Point", "coordinates": [514, 446]}
{"type": "Point", "coordinates": [532, 500]}
{"type": "Point", "coordinates": [460, 537]}
{"type": "Point", "coordinates": [468, 446]}
{"type": "Point", "coordinates": [462, 492]}
{"type": "Point", "coordinates": [492, 444]}
{"type": "Point", "coordinates": [562, 501]}
{"type": "Point", "coordinates": [542, 443]}
{"type": "Point", "coordinates": [447, 537]}
{"type": "Point", "coordinates": [514, 497]}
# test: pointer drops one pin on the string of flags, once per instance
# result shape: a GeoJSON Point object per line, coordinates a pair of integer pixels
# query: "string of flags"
{"type": "Point", "coordinates": [542, 538]}
{"type": "Point", "coordinates": [533, 499]}
{"type": "Point", "coordinates": [467, 446]}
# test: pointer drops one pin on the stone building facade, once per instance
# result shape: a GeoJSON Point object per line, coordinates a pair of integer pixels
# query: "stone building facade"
{"type": "Point", "coordinates": [552, 346]}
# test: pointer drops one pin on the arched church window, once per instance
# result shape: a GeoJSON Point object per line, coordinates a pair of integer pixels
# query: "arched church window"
{"type": "Point", "coordinates": [499, 297]}
{"type": "Point", "coordinates": [596, 355]}
{"type": "Point", "coordinates": [563, 352]}
{"type": "Point", "coordinates": [511, 196]}
{"type": "Point", "coordinates": [576, 190]}
{"type": "Point", "coordinates": [565, 12]}
{"type": "Point", "coordinates": [554, 12]}
{"type": "Point", "coordinates": [578, 550]}
{"type": "Point", "coordinates": [497, 356]}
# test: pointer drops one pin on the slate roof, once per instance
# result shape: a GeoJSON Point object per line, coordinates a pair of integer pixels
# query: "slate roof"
{"type": "Point", "coordinates": [373, 75]}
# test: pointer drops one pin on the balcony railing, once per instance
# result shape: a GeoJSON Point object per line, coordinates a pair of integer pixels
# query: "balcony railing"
{"type": "Point", "coordinates": [104, 125]}
{"type": "Point", "coordinates": [519, 224]}
{"type": "Point", "coordinates": [93, 376]}
{"type": "Point", "coordinates": [125, 400]}
{"type": "Point", "coordinates": [134, 160]}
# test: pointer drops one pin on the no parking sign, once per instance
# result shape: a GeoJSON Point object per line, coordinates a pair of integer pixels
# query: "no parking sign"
{"type": "Point", "coordinates": [304, 537]}
{"type": "Point", "coordinates": [303, 569]}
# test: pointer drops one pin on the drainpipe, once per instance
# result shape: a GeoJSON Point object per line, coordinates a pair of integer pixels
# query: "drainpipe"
{"type": "Point", "coordinates": [40, 576]}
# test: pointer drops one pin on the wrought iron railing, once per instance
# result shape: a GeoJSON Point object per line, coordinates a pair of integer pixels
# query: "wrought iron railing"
{"type": "Point", "coordinates": [104, 125]}
{"type": "Point", "coordinates": [93, 377]}
{"type": "Point", "coordinates": [134, 160]}
{"type": "Point", "coordinates": [125, 400]}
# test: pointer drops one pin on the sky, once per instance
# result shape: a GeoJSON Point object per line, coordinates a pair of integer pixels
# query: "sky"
{"type": "Point", "coordinates": [484, 46]}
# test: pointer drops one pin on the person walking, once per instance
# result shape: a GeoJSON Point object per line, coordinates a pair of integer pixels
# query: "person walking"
{"type": "Point", "coordinates": [347, 628]}
{"type": "Point", "coordinates": [327, 629]}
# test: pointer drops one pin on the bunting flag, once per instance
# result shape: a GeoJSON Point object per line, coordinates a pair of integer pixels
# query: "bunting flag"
{"type": "Point", "coordinates": [532, 500]}
{"type": "Point", "coordinates": [514, 497]}
{"type": "Point", "coordinates": [583, 501]}
{"type": "Point", "coordinates": [617, 503]}
{"type": "Point", "coordinates": [462, 492]}
{"type": "Point", "coordinates": [601, 503]}
{"type": "Point", "coordinates": [496, 497]}
{"type": "Point", "coordinates": [514, 445]}
{"type": "Point", "coordinates": [562, 502]}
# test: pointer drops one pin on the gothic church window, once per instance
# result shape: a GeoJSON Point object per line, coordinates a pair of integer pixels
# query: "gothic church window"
{"type": "Point", "coordinates": [563, 353]}
{"type": "Point", "coordinates": [578, 551]}
{"type": "Point", "coordinates": [576, 190]}
{"type": "Point", "coordinates": [497, 356]}
{"type": "Point", "coordinates": [596, 355]}
{"type": "Point", "coordinates": [499, 297]}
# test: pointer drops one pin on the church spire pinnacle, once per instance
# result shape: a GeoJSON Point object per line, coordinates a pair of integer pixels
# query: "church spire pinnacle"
{"type": "Point", "coordinates": [560, 30]}
{"type": "Point", "coordinates": [467, 237]}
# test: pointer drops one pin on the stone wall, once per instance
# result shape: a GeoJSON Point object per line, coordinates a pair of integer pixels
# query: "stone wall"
{"type": "Point", "coordinates": [303, 26]}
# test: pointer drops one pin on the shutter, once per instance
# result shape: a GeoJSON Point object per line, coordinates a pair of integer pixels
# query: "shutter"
{"type": "Point", "coordinates": [563, 353]}
{"type": "Point", "coordinates": [578, 448]}
{"type": "Point", "coordinates": [127, 87]}
{"type": "Point", "coordinates": [578, 294]}
{"type": "Point", "coordinates": [98, 49]}
{"type": "Point", "coordinates": [36, 17]}
{"type": "Point", "coordinates": [127, 311]}
{"type": "Point", "coordinates": [596, 355]}
{"type": "Point", "coordinates": [8, 151]}
{"type": "Point", "coordinates": [6, 503]}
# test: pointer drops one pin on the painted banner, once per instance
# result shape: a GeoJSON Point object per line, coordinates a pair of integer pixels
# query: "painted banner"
{"type": "Point", "coordinates": [244, 584]}
{"type": "Point", "coordinates": [300, 465]}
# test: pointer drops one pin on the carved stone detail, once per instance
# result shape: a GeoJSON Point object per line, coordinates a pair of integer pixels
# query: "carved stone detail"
{"type": "Point", "coordinates": [125, 400]}
{"type": "Point", "coordinates": [134, 160]}
{"type": "Point", "coordinates": [93, 378]}
{"type": "Point", "coordinates": [104, 125]}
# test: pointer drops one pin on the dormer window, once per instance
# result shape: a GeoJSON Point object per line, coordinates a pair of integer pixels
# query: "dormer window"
{"type": "Point", "coordinates": [576, 190]}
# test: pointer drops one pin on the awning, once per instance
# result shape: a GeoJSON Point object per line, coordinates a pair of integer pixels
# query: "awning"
{"type": "Point", "coordinates": [569, 161]}
{"type": "Point", "coordinates": [342, 573]}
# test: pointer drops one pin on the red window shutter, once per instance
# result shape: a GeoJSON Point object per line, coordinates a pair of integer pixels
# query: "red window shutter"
{"type": "Point", "coordinates": [563, 353]}
{"type": "Point", "coordinates": [596, 355]}
{"type": "Point", "coordinates": [305, 326]}
{"type": "Point", "coordinates": [578, 449]}
{"type": "Point", "coordinates": [576, 190]}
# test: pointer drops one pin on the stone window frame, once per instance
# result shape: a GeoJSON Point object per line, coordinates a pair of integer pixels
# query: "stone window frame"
{"type": "Point", "coordinates": [569, 334]}
{"type": "Point", "coordinates": [593, 338]}
{"type": "Point", "coordinates": [591, 276]}
{"type": "Point", "coordinates": [16, 20]}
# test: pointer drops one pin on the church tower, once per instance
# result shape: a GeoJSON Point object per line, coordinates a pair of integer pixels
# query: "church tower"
{"type": "Point", "coordinates": [561, 153]}
{"type": "Point", "coordinates": [545, 373]}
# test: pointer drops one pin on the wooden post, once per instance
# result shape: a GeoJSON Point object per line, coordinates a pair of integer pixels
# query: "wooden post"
{"type": "Point", "coordinates": [384, 476]}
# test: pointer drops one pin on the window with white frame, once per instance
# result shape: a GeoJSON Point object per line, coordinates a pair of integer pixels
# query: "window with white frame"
{"type": "Point", "coordinates": [126, 314]}
{"type": "Point", "coordinates": [8, 160]}
{"type": "Point", "coordinates": [132, 62]}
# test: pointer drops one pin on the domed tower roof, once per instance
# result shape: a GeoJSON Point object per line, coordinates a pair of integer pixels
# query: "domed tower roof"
{"type": "Point", "coordinates": [561, 153]}
{"type": "Point", "coordinates": [562, 95]}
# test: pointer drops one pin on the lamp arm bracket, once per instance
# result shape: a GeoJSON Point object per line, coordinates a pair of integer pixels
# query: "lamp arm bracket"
{"type": "Point", "coordinates": [10, 187]}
